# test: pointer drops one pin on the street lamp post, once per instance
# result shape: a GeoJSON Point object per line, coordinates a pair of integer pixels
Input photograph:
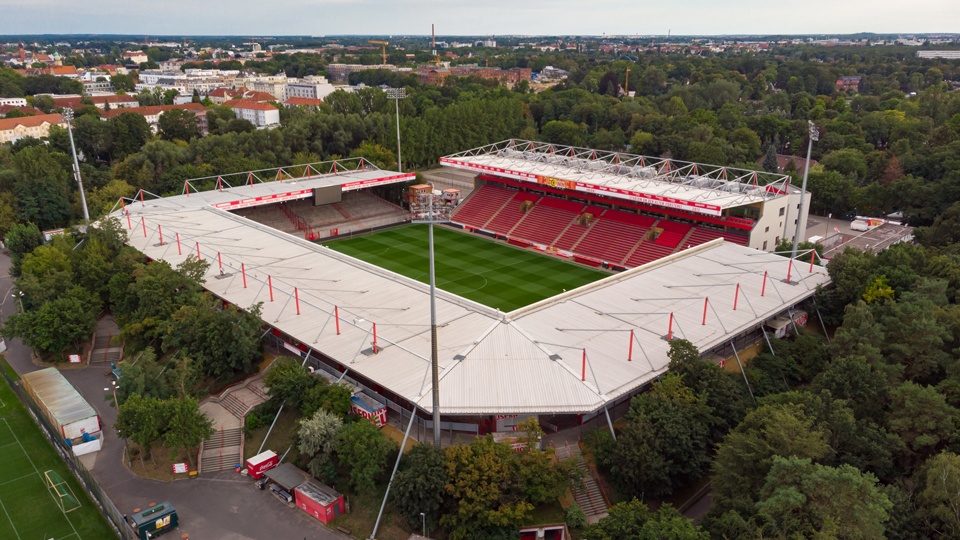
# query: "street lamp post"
{"type": "Point", "coordinates": [397, 94]}
{"type": "Point", "coordinates": [423, 521]}
{"type": "Point", "coordinates": [19, 297]}
{"type": "Point", "coordinates": [113, 389]}
{"type": "Point", "coordinates": [814, 134]}
{"type": "Point", "coordinates": [68, 116]}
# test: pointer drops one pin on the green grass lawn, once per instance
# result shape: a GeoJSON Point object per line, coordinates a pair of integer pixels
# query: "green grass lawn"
{"type": "Point", "coordinates": [28, 509]}
{"type": "Point", "coordinates": [472, 266]}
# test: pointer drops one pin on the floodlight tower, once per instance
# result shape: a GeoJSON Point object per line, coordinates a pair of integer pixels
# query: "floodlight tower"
{"type": "Point", "coordinates": [68, 116]}
{"type": "Point", "coordinates": [427, 210]}
{"type": "Point", "coordinates": [814, 135]}
{"type": "Point", "coordinates": [397, 94]}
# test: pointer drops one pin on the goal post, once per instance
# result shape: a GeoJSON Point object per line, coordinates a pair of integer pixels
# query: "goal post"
{"type": "Point", "coordinates": [62, 492]}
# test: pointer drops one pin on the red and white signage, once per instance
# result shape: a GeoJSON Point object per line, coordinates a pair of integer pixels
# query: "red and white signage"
{"type": "Point", "coordinates": [181, 468]}
{"type": "Point", "coordinates": [261, 463]}
{"type": "Point", "coordinates": [360, 184]}
{"type": "Point", "coordinates": [658, 200]}
{"type": "Point", "coordinates": [265, 199]}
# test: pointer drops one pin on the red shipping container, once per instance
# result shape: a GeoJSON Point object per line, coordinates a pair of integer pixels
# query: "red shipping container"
{"type": "Point", "coordinates": [320, 501]}
{"type": "Point", "coordinates": [261, 463]}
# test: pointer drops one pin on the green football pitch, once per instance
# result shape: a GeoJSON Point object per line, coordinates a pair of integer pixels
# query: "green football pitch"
{"type": "Point", "coordinates": [29, 507]}
{"type": "Point", "coordinates": [472, 266]}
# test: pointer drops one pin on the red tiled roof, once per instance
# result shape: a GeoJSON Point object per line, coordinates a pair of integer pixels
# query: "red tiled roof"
{"type": "Point", "coordinates": [252, 95]}
{"type": "Point", "coordinates": [223, 92]}
{"type": "Point", "coordinates": [303, 102]}
{"type": "Point", "coordinates": [63, 70]}
{"type": "Point", "coordinates": [30, 121]}
{"type": "Point", "coordinates": [249, 104]}
{"type": "Point", "coordinates": [4, 109]}
{"type": "Point", "coordinates": [75, 102]}
{"type": "Point", "coordinates": [154, 109]}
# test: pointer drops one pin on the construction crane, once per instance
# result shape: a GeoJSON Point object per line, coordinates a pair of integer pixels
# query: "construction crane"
{"type": "Point", "coordinates": [383, 45]}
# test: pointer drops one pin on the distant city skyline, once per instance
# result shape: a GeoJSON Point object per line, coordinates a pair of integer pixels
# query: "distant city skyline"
{"type": "Point", "coordinates": [492, 17]}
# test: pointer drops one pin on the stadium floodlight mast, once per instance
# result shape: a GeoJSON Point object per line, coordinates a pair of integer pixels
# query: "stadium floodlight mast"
{"type": "Point", "coordinates": [68, 116]}
{"type": "Point", "coordinates": [397, 94]}
{"type": "Point", "coordinates": [814, 135]}
{"type": "Point", "coordinates": [430, 215]}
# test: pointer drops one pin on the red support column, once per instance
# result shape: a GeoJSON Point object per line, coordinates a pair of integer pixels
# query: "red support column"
{"type": "Point", "coordinates": [296, 297]}
{"type": "Point", "coordinates": [141, 198]}
{"type": "Point", "coordinates": [630, 350]}
{"type": "Point", "coordinates": [583, 366]}
{"type": "Point", "coordinates": [160, 232]}
{"type": "Point", "coordinates": [129, 224]}
{"type": "Point", "coordinates": [219, 184]}
{"type": "Point", "coordinates": [250, 179]}
{"type": "Point", "coordinates": [706, 301]}
{"type": "Point", "coordinates": [143, 221]}
{"type": "Point", "coordinates": [670, 328]}
{"type": "Point", "coordinates": [220, 262]}
{"type": "Point", "coordinates": [813, 253]}
{"type": "Point", "coordinates": [243, 271]}
{"type": "Point", "coordinates": [270, 286]}
{"type": "Point", "coordinates": [375, 349]}
{"type": "Point", "coordinates": [763, 290]}
{"type": "Point", "coordinates": [336, 317]}
{"type": "Point", "coordinates": [789, 269]}
{"type": "Point", "coordinates": [736, 296]}
{"type": "Point", "coordinates": [123, 206]}
{"type": "Point", "coordinates": [199, 257]}
{"type": "Point", "coordinates": [179, 251]}
{"type": "Point", "coordinates": [186, 187]}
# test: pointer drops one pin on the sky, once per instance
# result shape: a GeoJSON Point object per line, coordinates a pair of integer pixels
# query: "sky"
{"type": "Point", "coordinates": [475, 18]}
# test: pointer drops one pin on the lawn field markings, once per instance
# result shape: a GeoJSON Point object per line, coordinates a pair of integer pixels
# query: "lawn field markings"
{"type": "Point", "coordinates": [10, 519]}
{"type": "Point", "coordinates": [17, 479]}
{"type": "Point", "coordinates": [24, 450]}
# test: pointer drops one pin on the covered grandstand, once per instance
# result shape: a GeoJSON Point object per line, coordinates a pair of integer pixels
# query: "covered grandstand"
{"type": "Point", "coordinates": [565, 357]}
{"type": "Point", "coordinates": [618, 209]}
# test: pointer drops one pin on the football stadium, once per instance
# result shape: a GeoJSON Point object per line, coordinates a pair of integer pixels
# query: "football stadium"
{"type": "Point", "coordinates": [561, 277]}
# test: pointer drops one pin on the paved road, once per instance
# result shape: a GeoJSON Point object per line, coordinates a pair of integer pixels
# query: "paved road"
{"type": "Point", "coordinates": [222, 506]}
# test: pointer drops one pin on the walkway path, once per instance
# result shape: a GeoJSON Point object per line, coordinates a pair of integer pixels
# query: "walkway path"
{"type": "Point", "coordinates": [224, 450]}
{"type": "Point", "coordinates": [104, 349]}
{"type": "Point", "coordinates": [590, 498]}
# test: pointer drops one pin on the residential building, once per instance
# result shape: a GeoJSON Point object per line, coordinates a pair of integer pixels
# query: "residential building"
{"type": "Point", "coordinates": [340, 73]}
{"type": "Point", "coordinates": [14, 129]}
{"type": "Point", "coordinates": [261, 115]}
{"type": "Point", "coordinates": [135, 57]}
{"type": "Point", "coordinates": [302, 102]}
{"type": "Point", "coordinates": [15, 101]}
{"type": "Point", "coordinates": [92, 87]}
{"type": "Point", "coordinates": [6, 109]}
{"type": "Point", "coordinates": [69, 72]}
{"type": "Point", "coordinates": [312, 87]}
{"type": "Point", "coordinates": [103, 102]}
{"type": "Point", "coordinates": [222, 95]}
{"type": "Point", "coordinates": [276, 86]}
{"type": "Point", "coordinates": [947, 55]}
{"type": "Point", "coordinates": [849, 82]}
{"type": "Point", "coordinates": [152, 114]}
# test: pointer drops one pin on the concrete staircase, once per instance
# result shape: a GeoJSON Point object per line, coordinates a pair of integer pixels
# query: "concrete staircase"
{"type": "Point", "coordinates": [590, 498]}
{"type": "Point", "coordinates": [222, 451]}
{"type": "Point", "coordinates": [103, 351]}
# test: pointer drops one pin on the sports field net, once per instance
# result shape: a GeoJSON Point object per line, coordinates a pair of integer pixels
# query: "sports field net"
{"type": "Point", "coordinates": [62, 492]}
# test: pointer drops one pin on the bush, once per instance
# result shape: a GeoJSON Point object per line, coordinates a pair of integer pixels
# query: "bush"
{"type": "Point", "coordinates": [575, 517]}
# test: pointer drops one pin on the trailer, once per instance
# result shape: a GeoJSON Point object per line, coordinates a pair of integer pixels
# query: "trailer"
{"type": "Point", "coordinates": [367, 407]}
{"type": "Point", "coordinates": [261, 463]}
{"type": "Point", "coordinates": [154, 521]}
{"type": "Point", "coordinates": [62, 404]}
{"type": "Point", "coordinates": [320, 501]}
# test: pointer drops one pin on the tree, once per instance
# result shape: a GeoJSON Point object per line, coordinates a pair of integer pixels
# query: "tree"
{"type": "Point", "coordinates": [478, 487]}
{"type": "Point", "coordinates": [331, 397]}
{"type": "Point", "coordinates": [807, 500]}
{"type": "Point", "coordinates": [143, 376]}
{"type": "Point", "coordinates": [317, 435]}
{"type": "Point", "coordinates": [666, 441]}
{"type": "Point", "coordinates": [723, 392]}
{"type": "Point", "coordinates": [419, 485]}
{"type": "Point", "coordinates": [922, 418]}
{"type": "Point", "coordinates": [224, 340]}
{"type": "Point", "coordinates": [142, 421]}
{"type": "Point", "coordinates": [22, 238]}
{"type": "Point", "coordinates": [130, 132]}
{"type": "Point", "coordinates": [745, 456]}
{"type": "Point", "coordinates": [634, 520]}
{"type": "Point", "coordinates": [287, 381]}
{"type": "Point", "coordinates": [363, 450]}
{"type": "Point", "coordinates": [856, 381]}
{"type": "Point", "coordinates": [186, 426]}
{"type": "Point", "coordinates": [122, 83]}
{"type": "Point", "coordinates": [178, 124]}
{"type": "Point", "coordinates": [56, 324]}
{"type": "Point", "coordinates": [939, 495]}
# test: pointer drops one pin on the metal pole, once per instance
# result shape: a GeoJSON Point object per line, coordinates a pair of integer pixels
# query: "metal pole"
{"type": "Point", "coordinates": [610, 423]}
{"type": "Point", "coordinates": [399, 161]}
{"type": "Point", "coordinates": [434, 356]}
{"type": "Point", "coordinates": [743, 371]}
{"type": "Point", "coordinates": [406, 435]}
{"type": "Point", "coordinates": [814, 135]}
{"type": "Point", "coordinates": [68, 116]}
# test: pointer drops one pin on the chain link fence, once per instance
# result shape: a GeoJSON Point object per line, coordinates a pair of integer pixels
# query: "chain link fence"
{"type": "Point", "coordinates": [89, 483]}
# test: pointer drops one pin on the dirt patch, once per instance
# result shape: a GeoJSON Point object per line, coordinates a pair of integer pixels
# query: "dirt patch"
{"type": "Point", "coordinates": [159, 465]}
{"type": "Point", "coordinates": [362, 515]}
{"type": "Point", "coordinates": [283, 436]}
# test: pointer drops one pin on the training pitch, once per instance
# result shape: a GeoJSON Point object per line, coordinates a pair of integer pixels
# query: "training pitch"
{"type": "Point", "coordinates": [469, 265]}
{"type": "Point", "coordinates": [29, 507]}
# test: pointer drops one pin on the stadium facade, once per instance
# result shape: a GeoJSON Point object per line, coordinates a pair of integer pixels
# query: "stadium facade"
{"type": "Point", "coordinates": [565, 359]}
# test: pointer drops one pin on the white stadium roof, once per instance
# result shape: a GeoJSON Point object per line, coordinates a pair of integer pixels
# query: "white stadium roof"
{"type": "Point", "coordinates": [668, 183]}
{"type": "Point", "coordinates": [529, 360]}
